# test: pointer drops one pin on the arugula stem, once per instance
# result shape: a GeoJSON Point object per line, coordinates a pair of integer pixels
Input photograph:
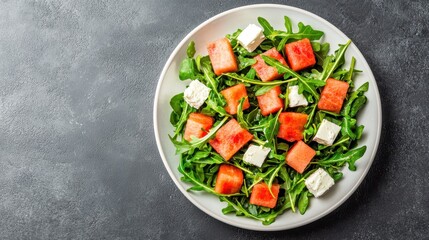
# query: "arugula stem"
{"type": "Point", "coordinates": [258, 141]}
{"type": "Point", "coordinates": [242, 168]}
{"type": "Point", "coordinates": [273, 176]}
{"type": "Point", "coordinates": [337, 143]}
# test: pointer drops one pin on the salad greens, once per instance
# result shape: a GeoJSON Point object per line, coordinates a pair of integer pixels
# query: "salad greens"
{"type": "Point", "coordinates": [199, 162]}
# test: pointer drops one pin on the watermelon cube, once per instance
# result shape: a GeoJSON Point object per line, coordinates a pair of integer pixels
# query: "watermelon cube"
{"type": "Point", "coordinates": [233, 95]}
{"type": "Point", "coordinates": [300, 54]}
{"type": "Point", "coordinates": [229, 139]}
{"type": "Point", "coordinates": [270, 102]}
{"type": "Point", "coordinates": [261, 195]}
{"type": "Point", "coordinates": [222, 56]}
{"type": "Point", "coordinates": [299, 156]}
{"type": "Point", "coordinates": [197, 126]}
{"type": "Point", "coordinates": [229, 179]}
{"type": "Point", "coordinates": [292, 126]}
{"type": "Point", "coordinates": [264, 71]}
{"type": "Point", "coordinates": [333, 95]}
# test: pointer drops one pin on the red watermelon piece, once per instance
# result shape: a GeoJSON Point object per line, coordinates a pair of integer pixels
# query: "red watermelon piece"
{"type": "Point", "coordinates": [233, 95]}
{"type": "Point", "coordinates": [261, 195]}
{"type": "Point", "coordinates": [299, 156]}
{"type": "Point", "coordinates": [333, 95]}
{"type": "Point", "coordinates": [264, 71]}
{"type": "Point", "coordinates": [229, 179]}
{"type": "Point", "coordinates": [300, 54]}
{"type": "Point", "coordinates": [222, 56]}
{"type": "Point", "coordinates": [197, 125]}
{"type": "Point", "coordinates": [292, 126]}
{"type": "Point", "coordinates": [270, 102]}
{"type": "Point", "coordinates": [230, 138]}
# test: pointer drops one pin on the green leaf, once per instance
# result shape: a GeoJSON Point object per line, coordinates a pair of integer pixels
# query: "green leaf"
{"type": "Point", "coordinates": [350, 157]}
{"type": "Point", "coordinates": [244, 62]}
{"type": "Point", "coordinates": [321, 51]}
{"type": "Point", "coordinates": [251, 74]}
{"type": "Point", "coordinates": [268, 29]}
{"type": "Point", "coordinates": [188, 69]}
{"type": "Point", "coordinates": [190, 51]}
{"type": "Point", "coordinates": [288, 24]}
{"type": "Point", "coordinates": [303, 202]}
{"type": "Point", "coordinates": [264, 89]}
{"type": "Point", "coordinates": [357, 105]}
{"type": "Point", "coordinates": [333, 62]}
{"type": "Point", "coordinates": [304, 31]}
{"type": "Point", "coordinates": [353, 96]}
{"type": "Point", "coordinates": [176, 103]}
{"type": "Point", "coordinates": [346, 127]}
{"type": "Point", "coordinates": [240, 118]}
{"type": "Point", "coordinates": [270, 131]}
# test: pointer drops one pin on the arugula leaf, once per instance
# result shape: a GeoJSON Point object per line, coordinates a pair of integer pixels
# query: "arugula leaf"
{"type": "Point", "coordinates": [251, 74]}
{"type": "Point", "coordinates": [357, 105]}
{"type": "Point", "coordinates": [353, 96]}
{"type": "Point", "coordinates": [272, 127]}
{"type": "Point", "coordinates": [240, 118]}
{"type": "Point", "coordinates": [264, 89]}
{"type": "Point", "coordinates": [303, 202]}
{"type": "Point", "coordinates": [320, 51]}
{"type": "Point", "coordinates": [268, 29]}
{"type": "Point", "coordinates": [181, 111]}
{"type": "Point", "coordinates": [190, 51]}
{"type": "Point", "coordinates": [288, 24]}
{"type": "Point", "coordinates": [333, 62]}
{"type": "Point", "coordinates": [244, 62]}
{"type": "Point", "coordinates": [350, 157]}
{"type": "Point", "coordinates": [346, 127]}
{"type": "Point", "coordinates": [188, 69]}
{"type": "Point", "coordinates": [304, 31]}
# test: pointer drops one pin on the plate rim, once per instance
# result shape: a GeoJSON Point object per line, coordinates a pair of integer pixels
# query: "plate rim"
{"type": "Point", "coordinates": [170, 170]}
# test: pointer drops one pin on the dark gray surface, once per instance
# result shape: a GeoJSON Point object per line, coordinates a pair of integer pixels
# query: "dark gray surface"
{"type": "Point", "coordinates": [78, 157]}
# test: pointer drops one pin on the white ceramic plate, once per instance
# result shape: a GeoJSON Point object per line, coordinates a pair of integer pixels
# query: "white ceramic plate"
{"type": "Point", "coordinates": [217, 27]}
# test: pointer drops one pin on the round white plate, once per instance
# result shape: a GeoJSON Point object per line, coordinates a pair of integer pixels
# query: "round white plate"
{"type": "Point", "coordinates": [228, 22]}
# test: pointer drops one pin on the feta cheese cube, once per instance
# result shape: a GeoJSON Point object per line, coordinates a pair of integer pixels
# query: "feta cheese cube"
{"type": "Point", "coordinates": [251, 37]}
{"type": "Point", "coordinates": [196, 94]}
{"type": "Point", "coordinates": [319, 182]}
{"type": "Point", "coordinates": [327, 133]}
{"type": "Point", "coordinates": [256, 155]}
{"type": "Point", "coordinates": [296, 99]}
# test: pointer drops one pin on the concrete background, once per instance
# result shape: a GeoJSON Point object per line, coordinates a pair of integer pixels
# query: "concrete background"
{"type": "Point", "coordinates": [78, 157]}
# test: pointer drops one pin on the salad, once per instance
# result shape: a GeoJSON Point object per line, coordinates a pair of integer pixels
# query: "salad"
{"type": "Point", "coordinates": [268, 120]}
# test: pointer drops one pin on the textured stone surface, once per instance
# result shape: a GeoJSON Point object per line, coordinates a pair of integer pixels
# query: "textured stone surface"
{"type": "Point", "coordinates": [78, 157]}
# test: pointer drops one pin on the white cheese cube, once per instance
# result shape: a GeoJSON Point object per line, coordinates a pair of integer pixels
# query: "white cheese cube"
{"type": "Point", "coordinates": [196, 94]}
{"type": "Point", "coordinates": [319, 182]}
{"type": "Point", "coordinates": [327, 133]}
{"type": "Point", "coordinates": [251, 37]}
{"type": "Point", "coordinates": [256, 155]}
{"type": "Point", "coordinates": [296, 99]}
